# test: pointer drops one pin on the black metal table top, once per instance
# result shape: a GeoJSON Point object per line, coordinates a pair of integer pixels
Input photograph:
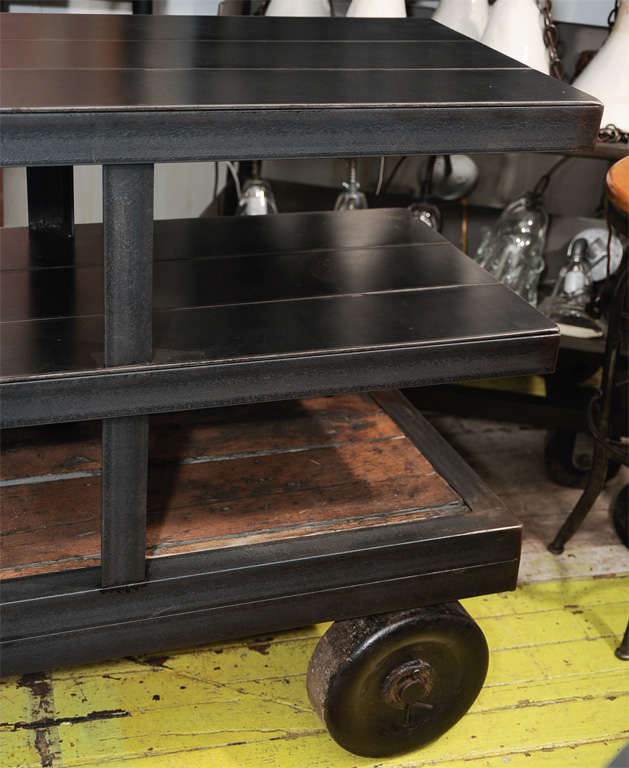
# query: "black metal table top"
{"type": "Point", "coordinates": [116, 89]}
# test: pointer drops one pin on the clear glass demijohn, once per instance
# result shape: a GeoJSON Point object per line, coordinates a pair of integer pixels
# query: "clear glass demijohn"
{"type": "Point", "coordinates": [572, 293]}
{"type": "Point", "coordinates": [512, 250]}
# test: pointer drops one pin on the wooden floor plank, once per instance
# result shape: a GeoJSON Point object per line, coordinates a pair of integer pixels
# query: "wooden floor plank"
{"type": "Point", "coordinates": [554, 690]}
{"type": "Point", "coordinates": [555, 697]}
{"type": "Point", "coordinates": [592, 755]}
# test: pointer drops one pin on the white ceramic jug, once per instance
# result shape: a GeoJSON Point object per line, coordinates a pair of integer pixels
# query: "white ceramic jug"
{"type": "Point", "coordinates": [377, 8]}
{"type": "Point", "coordinates": [607, 75]}
{"type": "Point", "coordinates": [469, 17]}
{"type": "Point", "coordinates": [515, 28]}
{"type": "Point", "coordinates": [298, 8]}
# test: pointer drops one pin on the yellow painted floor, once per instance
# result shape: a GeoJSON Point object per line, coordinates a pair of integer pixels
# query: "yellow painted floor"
{"type": "Point", "coordinates": [555, 696]}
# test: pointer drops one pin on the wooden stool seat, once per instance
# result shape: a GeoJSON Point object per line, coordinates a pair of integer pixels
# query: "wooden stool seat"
{"type": "Point", "coordinates": [618, 184]}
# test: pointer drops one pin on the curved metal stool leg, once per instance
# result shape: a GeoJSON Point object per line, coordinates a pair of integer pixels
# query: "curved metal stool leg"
{"type": "Point", "coordinates": [595, 484]}
{"type": "Point", "coordinates": [622, 652]}
{"type": "Point", "coordinates": [599, 418]}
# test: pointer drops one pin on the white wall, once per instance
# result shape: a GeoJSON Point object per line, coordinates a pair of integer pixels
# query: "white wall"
{"type": "Point", "coordinates": [181, 191]}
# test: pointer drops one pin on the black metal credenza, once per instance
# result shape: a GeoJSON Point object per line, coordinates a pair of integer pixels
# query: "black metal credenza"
{"type": "Point", "coordinates": [137, 317]}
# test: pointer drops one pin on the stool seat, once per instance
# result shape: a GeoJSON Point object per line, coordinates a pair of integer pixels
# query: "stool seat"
{"type": "Point", "coordinates": [618, 184]}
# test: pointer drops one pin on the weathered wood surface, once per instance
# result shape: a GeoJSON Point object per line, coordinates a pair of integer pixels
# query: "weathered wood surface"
{"type": "Point", "coordinates": [218, 478]}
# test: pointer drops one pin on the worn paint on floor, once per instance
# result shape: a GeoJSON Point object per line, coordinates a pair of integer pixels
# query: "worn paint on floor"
{"type": "Point", "coordinates": [555, 696]}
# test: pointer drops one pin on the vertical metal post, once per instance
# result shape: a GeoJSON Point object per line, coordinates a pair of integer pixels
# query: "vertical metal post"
{"type": "Point", "coordinates": [142, 6]}
{"type": "Point", "coordinates": [128, 241]}
{"type": "Point", "coordinates": [50, 195]}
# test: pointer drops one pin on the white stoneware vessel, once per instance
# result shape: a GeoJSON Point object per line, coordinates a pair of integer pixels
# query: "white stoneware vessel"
{"type": "Point", "coordinates": [607, 75]}
{"type": "Point", "coordinates": [515, 28]}
{"type": "Point", "coordinates": [377, 8]}
{"type": "Point", "coordinates": [469, 17]}
{"type": "Point", "coordinates": [298, 8]}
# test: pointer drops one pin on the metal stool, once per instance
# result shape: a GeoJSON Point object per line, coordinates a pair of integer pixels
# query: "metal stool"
{"type": "Point", "coordinates": [599, 410]}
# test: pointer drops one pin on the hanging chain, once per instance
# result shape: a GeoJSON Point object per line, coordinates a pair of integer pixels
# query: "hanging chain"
{"type": "Point", "coordinates": [610, 133]}
{"type": "Point", "coordinates": [611, 19]}
{"type": "Point", "coordinates": [551, 39]}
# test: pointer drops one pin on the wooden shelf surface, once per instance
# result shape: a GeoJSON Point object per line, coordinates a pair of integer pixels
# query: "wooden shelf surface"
{"type": "Point", "coordinates": [259, 518]}
{"type": "Point", "coordinates": [220, 478]}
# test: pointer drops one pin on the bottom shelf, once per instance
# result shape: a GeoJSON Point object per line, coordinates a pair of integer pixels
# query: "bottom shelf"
{"type": "Point", "coordinates": [260, 517]}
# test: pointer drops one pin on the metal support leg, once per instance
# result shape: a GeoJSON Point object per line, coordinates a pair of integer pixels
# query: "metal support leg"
{"type": "Point", "coordinates": [599, 417]}
{"type": "Point", "coordinates": [595, 484]}
{"type": "Point", "coordinates": [50, 194]}
{"type": "Point", "coordinates": [623, 649]}
{"type": "Point", "coordinates": [128, 235]}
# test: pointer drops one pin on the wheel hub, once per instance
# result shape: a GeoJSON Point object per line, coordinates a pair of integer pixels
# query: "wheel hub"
{"type": "Point", "coordinates": [409, 685]}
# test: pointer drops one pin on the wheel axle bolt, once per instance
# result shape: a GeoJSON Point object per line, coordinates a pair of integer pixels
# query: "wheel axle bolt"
{"type": "Point", "coordinates": [408, 684]}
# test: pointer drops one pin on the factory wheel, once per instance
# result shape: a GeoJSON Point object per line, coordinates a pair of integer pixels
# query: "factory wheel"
{"type": "Point", "coordinates": [390, 683]}
{"type": "Point", "coordinates": [568, 459]}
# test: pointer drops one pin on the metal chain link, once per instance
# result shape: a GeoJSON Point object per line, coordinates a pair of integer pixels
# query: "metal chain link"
{"type": "Point", "coordinates": [611, 19]}
{"type": "Point", "coordinates": [610, 133]}
{"type": "Point", "coordinates": [551, 39]}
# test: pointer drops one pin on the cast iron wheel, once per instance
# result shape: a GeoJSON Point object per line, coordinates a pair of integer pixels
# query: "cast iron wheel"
{"type": "Point", "coordinates": [569, 466]}
{"type": "Point", "coordinates": [390, 683]}
{"type": "Point", "coordinates": [620, 514]}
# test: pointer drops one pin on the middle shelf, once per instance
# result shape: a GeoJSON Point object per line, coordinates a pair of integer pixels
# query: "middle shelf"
{"type": "Point", "coordinates": [260, 308]}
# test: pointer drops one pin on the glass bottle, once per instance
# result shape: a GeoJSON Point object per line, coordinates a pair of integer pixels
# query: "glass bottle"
{"type": "Point", "coordinates": [512, 250]}
{"type": "Point", "coordinates": [351, 199]}
{"type": "Point", "coordinates": [257, 198]}
{"type": "Point", "coordinates": [571, 294]}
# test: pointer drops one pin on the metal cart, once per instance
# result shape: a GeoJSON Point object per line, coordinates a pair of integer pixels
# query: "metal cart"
{"type": "Point", "coordinates": [205, 313]}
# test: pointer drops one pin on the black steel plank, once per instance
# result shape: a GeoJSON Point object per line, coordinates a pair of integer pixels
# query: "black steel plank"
{"type": "Point", "coordinates": [159, 389]}
{"type": "Point", "coordinates": [151, 635]}
{"type": "Point", "coordinates": [229, 236]}
{"type": "Point", "coordinates": [241, 56]}
{"type": "Point", "coordinates": [341, 109]}
{"type": "Point", "coordinates": [417, 319]}
{"type": "Point", "coordinates": [454, 520]}
{"type": "Point", "coordinates": [237, 134]}
{"type": "Point", "coordinates": [457, 539]}
{"type": "Point", "coordinates": [242, 28]}
{"type": "Point", "coordinates": [154, 91]}
{"type": "Point", "coordinates": [67, 292]}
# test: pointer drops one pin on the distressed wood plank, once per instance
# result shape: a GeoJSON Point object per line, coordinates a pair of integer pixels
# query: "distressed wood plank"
{"type": "Point", "coordinates": [309, 747]}
{"type": "Point", "coordinates": [214, 432]}
{"type": "Point", "coordinates": [265, 472]}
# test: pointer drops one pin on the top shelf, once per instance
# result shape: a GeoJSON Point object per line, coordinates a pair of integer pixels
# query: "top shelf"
{"type": "Point", "coordinates": [127, 89]}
